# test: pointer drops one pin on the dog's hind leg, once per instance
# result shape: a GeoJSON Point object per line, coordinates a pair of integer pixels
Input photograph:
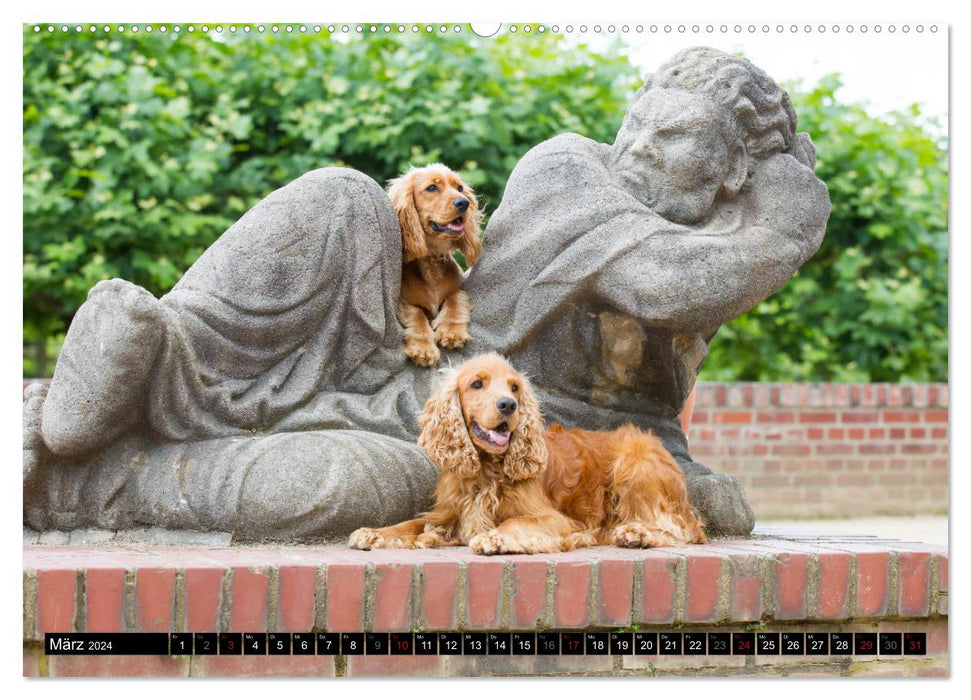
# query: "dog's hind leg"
{"type": "Point", "coordinates": [648, 498]}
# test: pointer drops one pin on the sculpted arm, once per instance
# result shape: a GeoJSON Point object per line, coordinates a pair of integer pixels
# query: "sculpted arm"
{"type": "Point", "coordinates": [695, 279]}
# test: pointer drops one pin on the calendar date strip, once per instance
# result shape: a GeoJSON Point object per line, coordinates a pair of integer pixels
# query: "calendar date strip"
{"type": "Point", "coordinates": [489, 643]}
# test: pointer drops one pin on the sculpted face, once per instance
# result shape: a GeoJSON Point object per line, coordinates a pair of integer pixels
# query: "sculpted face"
{"type": "Point", "coordinates": [673, 155]}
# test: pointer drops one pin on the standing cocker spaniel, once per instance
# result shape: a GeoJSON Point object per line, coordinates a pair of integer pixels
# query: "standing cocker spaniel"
{"type": "Point", "coordinates": [509, 486]}
{"type": "Point", "coordinates": [439, 215]}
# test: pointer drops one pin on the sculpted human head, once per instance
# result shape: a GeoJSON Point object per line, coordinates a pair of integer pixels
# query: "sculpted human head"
{"type": "Point", "coordinates": [694, 130]}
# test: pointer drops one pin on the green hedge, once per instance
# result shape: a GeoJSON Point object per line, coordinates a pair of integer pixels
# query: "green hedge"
{"type": "Point", "coordinates": [140, 149]}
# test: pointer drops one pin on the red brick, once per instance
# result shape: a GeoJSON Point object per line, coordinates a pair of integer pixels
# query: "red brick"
{"type": "Point", "coordinates": [856, 433]}
{"type": "Point", "coordinates": [791, 577]}
{"type": "Point", "coordinates": [815, 433]}
{"type": "Point", "coordinates": [935, 416]}
{"type": "Point", "coordinates": [529, 596]}
{"type": "Point", "coordinates": [55, 600]}
{"type": "Point", "coordinates": [249, 597]}
{"type": "Point", "coordinates": [154, 599]}
{"type": "Point", "coordinates": [834, 449]}
{"type": "Point", "coordinates": [117, 666]}
{"type": "Point", "coordinates": [571, 601]}
{"type": "Point", "coordinates": [260, 666]}
{"type": "Point", "coordinates": [296, 607]}
{"type": "Point", "coordinates": [659, 588]}
{"type": "Point", "coordinates": [398, 666]}
{"type": "Point", "coordinates": [901, 416]}
{"type": "Point", "coordinates": [817, 417]}
{"type": "Point", "coordinates": [732, 417]}
{"type": "Point", "coordinates": [942, 573]}
{"type": "Point", "coordinates": [877, 449]}
{"type": "Point", "coordinates": [775, 417]}
{"type": "Point", "coordinates": [439, 595]}
{"type": "Point", "coordinates": [792, 450]}
{"type": "Point", "coordinates": [203, 593]}
{"type": "Point", "coordinates": [392, 604]}
{"type": "Point", "coordinates": [912, 449]}
{"type": "Point", "coordinates": [31, 664]}
{"type": "Point", "coordinates": [746, 589]}
{"type": "Point", "coordinates": [877, 434]}
{"type": "Point", "coordinates": [105, 600]}
{"type": "Point", "coordinates": [701, 604]}
{"type": "Point", "coordinates": [485, 593]}
{"type": "Point", "coordinates": [873, 578]}
{"type": "Point", "coordinates": [918, 433]}
{"type": "Point", "coordinates": [616, 592]}
{"type": "Point", "coordinates": [345, 597]}
{"type": "Point", "coordinates": [834, 582]}
{"type": "Point", "coordinates": [836, 433]}
{"type": "Point", "coordinates": [914, 575]}
{"type": "Point", "coordinates": [860, 417]}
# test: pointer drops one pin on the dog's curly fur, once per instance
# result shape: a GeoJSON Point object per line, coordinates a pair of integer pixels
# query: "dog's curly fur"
{"type": "Point", "coordinates": [509, 486]}
{"type": "Point", "coordinates": [439, 214]}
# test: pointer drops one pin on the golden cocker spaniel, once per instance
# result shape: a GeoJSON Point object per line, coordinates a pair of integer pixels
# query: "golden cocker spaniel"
{"type": "Point", "coordinates": [506, 485]}
{"type": "Point", "coordinates": [439, 215]}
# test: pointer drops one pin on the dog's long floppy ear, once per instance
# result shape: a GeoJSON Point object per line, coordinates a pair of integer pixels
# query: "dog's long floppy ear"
{"type": "Point", "coordinates": [412, 233]}
{"type": "Point", "coordinates": [471, 243]}
{"type": "Point", "coordinates": [444, 436]}
{"type": "Point", "coordinates": [527, 455]}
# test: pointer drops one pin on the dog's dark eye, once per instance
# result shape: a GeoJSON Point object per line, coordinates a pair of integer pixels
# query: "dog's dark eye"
{"type": "Point", "coordinates": [460, 188]}
{"type": "Point", "coordinates": [515, 388]}
{"type": "Point", "coordinates": [432, 188]}
{"type": "Point", "coordinates": [477, 384]}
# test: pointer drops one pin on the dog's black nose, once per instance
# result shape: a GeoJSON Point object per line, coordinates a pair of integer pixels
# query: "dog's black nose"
{"type": "Point", "coordinates": [507, 406]}
{"type": "Point", "coordinates": [461, 203]}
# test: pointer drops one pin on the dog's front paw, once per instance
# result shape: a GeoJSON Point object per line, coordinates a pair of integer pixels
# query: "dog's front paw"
{"type": "Point", "coordinates": [495, 542]}
{"type": "Point", "coordinates": [423, 352]}
{"type": "Point", "coordinates": [452, 337]}
{"type": "Point", "coordinates": [366, 538]}
{"type": "Point", "coordinates": [638, 535]}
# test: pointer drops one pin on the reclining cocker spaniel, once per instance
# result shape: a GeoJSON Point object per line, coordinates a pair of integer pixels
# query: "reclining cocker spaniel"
{"type": "Point", "coordinates": [506, 485]}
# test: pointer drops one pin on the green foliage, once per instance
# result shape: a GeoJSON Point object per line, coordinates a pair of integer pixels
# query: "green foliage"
{"type": "Point", "coordinates": [871, 305]}
{"type": "Point", "coordinates": [140, 149]}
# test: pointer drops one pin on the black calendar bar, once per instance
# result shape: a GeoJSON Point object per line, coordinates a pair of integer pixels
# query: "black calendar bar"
{"type": "Point", "coordinates": [99, 644]}
{"type": "Point", "coordinates": [597, 643]}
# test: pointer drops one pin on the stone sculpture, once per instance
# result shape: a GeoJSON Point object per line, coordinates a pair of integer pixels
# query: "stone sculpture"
{"type": "Point", "coordinates": [266, 394]}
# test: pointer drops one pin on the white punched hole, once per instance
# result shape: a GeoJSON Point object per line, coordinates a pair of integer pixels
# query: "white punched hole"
{"type": "Point", "coordinates": [486, 29]}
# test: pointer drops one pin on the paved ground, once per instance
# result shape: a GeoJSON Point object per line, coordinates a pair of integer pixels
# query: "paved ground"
{"type": "Point", "coordinates": [931, 529]}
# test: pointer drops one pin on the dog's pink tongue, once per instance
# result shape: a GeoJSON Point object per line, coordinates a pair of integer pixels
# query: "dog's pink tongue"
{"type": "Point", "coordinates": [497, 437]}
{"type": "Point", "coordinates": [455, 226]}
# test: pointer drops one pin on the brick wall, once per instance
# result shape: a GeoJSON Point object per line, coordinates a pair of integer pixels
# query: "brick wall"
{"type": "Point", "coordinates": [804, 450]}
{"type": "Point", "coordinates": [780, 580]}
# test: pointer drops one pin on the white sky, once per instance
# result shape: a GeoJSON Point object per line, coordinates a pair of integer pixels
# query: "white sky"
{"type": "Point", "coordinates": [888, 71]}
